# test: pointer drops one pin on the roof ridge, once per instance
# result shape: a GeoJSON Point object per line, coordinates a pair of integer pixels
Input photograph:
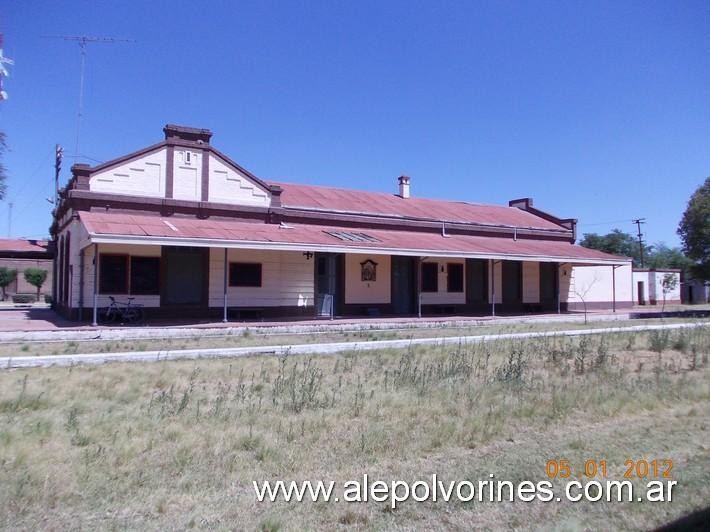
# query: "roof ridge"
{"type": "Point", "coordinates": [388, 194]}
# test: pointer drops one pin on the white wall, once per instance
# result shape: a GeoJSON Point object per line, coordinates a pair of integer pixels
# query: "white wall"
{"type": "Point", "coordinates": [531, 282]}
{"type": "Point", "coordinates": [142, 177]}
{"type": "Point", "coordinates": [146, 176]}
{"type": "Point", "coordinates": [227, 185]}
{"type": "Point", "coordinates": [286, 279]}
{"type": "Point", "coordinates": [359, 292]}
{"type": "Point", "coordinates": [673, 295]}
{"type": "Point", "coordinates": [442, 297]}
{"type": "Point", "coordinates": [594, 283]}
{"type": "Point", "coordinates": [187, 174]}
{"type": "Point", "coordinates": [653, 287]}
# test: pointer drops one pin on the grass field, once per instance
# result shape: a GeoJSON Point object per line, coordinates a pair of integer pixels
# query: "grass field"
{"type": "Point", "coordinates": [260, 337]}
{"type": "Point", "coordinates": [176, 445]}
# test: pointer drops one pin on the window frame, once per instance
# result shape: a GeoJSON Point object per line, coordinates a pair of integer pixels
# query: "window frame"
{"type": "Point", "coordinates": [233, 277]}
{"type": "Point", "coordinates": [435, 267]}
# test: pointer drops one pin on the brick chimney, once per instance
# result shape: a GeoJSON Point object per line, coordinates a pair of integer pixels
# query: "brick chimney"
{"type": "Point", "coordinates": [403, 186]}
{"type": "Point", "coordinates": [189, 134]}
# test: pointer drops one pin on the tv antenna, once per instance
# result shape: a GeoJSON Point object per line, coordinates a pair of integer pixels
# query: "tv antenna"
{"type": "Point", "coordinates": [3, 71]}
{"type": "Point", "coordinates": [83, 40]}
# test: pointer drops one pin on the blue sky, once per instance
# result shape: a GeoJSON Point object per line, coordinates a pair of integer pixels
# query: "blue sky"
{"type": "Point", "coordinates": [597, 110]}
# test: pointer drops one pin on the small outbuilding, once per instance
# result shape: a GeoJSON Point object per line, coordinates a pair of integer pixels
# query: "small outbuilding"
{"type": "Point", "coordinates": [655, 285]}
{"type": "Point", "coordinates": [20, 254]}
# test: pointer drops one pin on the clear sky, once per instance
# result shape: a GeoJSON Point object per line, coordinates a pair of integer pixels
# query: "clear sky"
{"type": "Point", "coordinates": [598, 110]}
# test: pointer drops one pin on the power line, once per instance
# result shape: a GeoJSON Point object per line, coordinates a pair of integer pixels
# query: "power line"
{"type": "Point", "coordinates": [605, 223]}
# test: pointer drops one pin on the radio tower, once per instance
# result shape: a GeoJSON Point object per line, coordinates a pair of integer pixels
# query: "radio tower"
{"type": "Point", "coordinates": [3, 71]}
{"type": "Point", "coordinates": [83, 40]}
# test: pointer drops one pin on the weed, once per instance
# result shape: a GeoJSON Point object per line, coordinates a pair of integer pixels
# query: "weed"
{"type": "Point", "coordinates": [658, 340]}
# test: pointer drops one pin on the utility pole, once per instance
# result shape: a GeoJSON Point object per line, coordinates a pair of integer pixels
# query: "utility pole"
{"type": "Point", "coordinates": [83, 40]}
{"type": "Point", "coordinates": [58, 154]}
{"type": "Point", "coordinates": [638, 223]}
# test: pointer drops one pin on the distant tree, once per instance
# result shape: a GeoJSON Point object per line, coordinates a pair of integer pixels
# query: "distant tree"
{"type": "Point", "coordinates": [616, 242]}
{"type": "Point", "coordinates": [669, 282]}
{"type": "Point", "coordinates": [694, 231]}
{"type": "Point", "coordinates": [7, 276]}
{"type": "Point", "coordinates": [3, 175]}
{"type": "Point", "coordinates": [36, 277]}
{"type": "Point", "coordinates": [661, 256]}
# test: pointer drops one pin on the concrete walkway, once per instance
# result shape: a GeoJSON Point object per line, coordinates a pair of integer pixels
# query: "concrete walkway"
{"type": "Point", "coordinates": [302, 349]}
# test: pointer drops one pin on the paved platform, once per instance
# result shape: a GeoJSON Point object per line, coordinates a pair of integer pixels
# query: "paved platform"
{"type": "Point", "coordinates": [39, 324]}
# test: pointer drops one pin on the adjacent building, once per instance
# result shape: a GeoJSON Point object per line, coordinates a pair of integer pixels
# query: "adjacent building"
{"type": "Point", "coordinates": [20, 254]}
{"type": "Point", "coordinates": [186, 231]}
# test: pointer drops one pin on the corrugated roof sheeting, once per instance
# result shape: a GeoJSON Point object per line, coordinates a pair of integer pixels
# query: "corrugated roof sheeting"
{"type": "Point", "coordinates": [22, 245]}
{"type": "Point", "coordinates": [379, 203]}
{"type": "Point", "coordinates": [191, 229]}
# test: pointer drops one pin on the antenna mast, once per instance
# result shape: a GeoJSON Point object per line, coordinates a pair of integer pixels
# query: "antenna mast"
{"type": "Point", "coordinates": [3, 71]}
{"type": "Point", "coordinates": [83, 40]}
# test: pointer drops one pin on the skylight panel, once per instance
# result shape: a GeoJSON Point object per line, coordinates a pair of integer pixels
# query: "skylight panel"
{"type": "Point", "coordinates": [348, 236]}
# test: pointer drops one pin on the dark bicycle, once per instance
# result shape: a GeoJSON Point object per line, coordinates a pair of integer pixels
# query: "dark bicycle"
{"type": "Point", "coordinates": [121, 312]}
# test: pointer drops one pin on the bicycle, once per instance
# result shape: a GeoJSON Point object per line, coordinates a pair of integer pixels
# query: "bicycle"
{"type": "Point", "coordinates": [122, 312]}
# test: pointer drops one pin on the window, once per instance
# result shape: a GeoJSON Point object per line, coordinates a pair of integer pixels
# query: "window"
{"type": "Point", "coordinates": [145, 275]}
{"type": "Point", "coordinates": [244, 274]}
{"type": "Point", "coordinates": [113, 275]}
{"type": "Point", "coordinates": [454, 281]}
{"type": "Point", "coordinates": [430, 277]}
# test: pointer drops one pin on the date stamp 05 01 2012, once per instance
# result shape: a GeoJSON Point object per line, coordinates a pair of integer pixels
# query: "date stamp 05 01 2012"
{"type": "Point", "coordinates": [656, 468]}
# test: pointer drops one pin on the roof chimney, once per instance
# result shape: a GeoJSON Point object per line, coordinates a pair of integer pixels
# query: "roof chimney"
{"type": "Point", "coordinates": [189, 134]}
{"type": "Point", "coordinates": [403, 186]}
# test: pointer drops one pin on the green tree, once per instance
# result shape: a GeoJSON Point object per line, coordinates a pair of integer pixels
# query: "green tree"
{"type": "Point", "coordinates": [694, 230]}
{"type": "Point", "coordinates": [7, 276]}
{"type": "Point", "coordinates": [669, 282]}
{"type": "Point", "coordinates": [36, 277]}
{"type": "Point", "coordinates": [662, 256]}
{"type": "Point", "coordinates": [617, 243]}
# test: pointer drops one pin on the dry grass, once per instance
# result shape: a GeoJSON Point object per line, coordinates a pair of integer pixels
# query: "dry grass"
{"type": "Point", "coordinates": [260, 337]}
{"type": "Point", "coordinates": [176, 445]}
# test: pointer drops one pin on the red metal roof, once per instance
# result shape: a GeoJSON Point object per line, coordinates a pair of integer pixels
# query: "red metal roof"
{"type": "Point", "coordinates": [22, 245]}
{"type": "Point", "coordinates": [261, 234]}
{"type": "Point", "coordinates": [381, 204]}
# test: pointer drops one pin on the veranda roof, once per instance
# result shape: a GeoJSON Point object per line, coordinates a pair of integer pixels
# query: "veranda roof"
{"type": "Point", "coordinates": [118, 228]}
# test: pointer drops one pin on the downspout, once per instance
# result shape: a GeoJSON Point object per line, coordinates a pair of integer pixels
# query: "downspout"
{"type": "Point", "coordinates": [224, 317]}
{"type": "Point", "coordinates": [96, 285]}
